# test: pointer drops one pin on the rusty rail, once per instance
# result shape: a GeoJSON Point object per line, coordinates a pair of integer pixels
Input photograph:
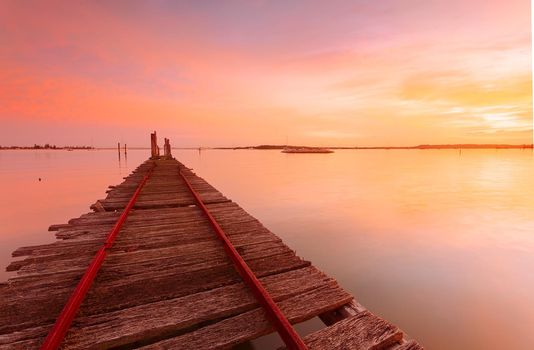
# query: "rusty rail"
{"type": "Point", "coordinates": [65, 318]}
{"type": "Point", "coordinates": [288, 334]}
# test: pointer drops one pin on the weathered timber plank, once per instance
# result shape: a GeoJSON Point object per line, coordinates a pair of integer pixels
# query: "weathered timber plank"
{"type": "Point", "coordinates": [157, 321]}
{"type": "Point", "coordinates": [363, 331]}
{"type": "Point", "coordinates": [409, 345]}
{"type": "Point", "coordinates": [234, 225]}
{"type": "Point", "coordinates": [153, 215]}
{"type": "Point", "coordinates": [254, 323]}
{"type": "Point", "coordinates": [165, 254]}
{"type": "Point", "coordinates": [30, 338]}
{"type": "Point", "coordinates": [129, 288]}
{"type": "Point", "coordinates": [77, 230]}
{"type": "Point", "coordinates": [33, 301]}
{"type": "Point", "coordinates": [134, 241]}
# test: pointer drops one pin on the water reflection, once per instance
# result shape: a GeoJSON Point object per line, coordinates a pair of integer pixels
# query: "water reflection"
{"type": "Point", "coordinates": [70, 183]}
{"type": "Point", "coordinates": [438, 242]}
{"type": "Point", "coordinates": [125, 158]}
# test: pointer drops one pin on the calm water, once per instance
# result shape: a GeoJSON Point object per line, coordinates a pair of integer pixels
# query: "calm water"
{"type": "Point", "coordinates": [437, 242]}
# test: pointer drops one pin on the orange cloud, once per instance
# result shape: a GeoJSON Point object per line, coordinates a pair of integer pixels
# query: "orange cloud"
{"type": "Point", "coordinates": [245, 73]}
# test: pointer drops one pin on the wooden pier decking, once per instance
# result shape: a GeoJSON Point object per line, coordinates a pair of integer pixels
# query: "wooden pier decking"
{"type": "Point", "coordinates": [167, 282]}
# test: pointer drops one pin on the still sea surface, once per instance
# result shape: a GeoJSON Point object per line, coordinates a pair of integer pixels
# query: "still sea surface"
{"type": "Point", "coordinates": [438, 242]}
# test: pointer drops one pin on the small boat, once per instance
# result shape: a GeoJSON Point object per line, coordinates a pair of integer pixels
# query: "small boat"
{"type": "Point", "coordinates": [306, 150]}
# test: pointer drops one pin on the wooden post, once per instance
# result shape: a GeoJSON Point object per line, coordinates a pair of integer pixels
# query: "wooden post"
{"type": "Point", "coordinates": [154, 146]}
{"type": "Point", "coordinates": [119, 147]}
{"type": "Point", "coordinates": [125, 151]}
{"type": "Point", "coordinates": [151, 145]}
{"type": "Point", "coordinates": [167, 149]}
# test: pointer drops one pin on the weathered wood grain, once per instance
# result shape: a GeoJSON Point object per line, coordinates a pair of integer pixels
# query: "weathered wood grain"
{"type": "Point", "coordinates": [363, 331]}
{"type": "Point", "coordinates": [252, 324]}
{"type": "Point", "coordinates": [409, 345]}
{"type": "Point", "coordinates": [129, 326]}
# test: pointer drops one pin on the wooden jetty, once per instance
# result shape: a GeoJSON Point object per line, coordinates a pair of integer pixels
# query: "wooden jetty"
{"type": "Point", "coordinates": [168, 281]}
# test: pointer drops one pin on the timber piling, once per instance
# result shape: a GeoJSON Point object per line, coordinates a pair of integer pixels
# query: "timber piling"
{"type": "Point", "coordinates": [168, 262]}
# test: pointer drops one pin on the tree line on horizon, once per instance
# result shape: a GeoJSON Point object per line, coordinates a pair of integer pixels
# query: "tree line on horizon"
{"type": "Point", "coordinates": [46, 146]}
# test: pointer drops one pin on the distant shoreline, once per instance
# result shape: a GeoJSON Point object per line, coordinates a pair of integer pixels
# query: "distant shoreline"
{"type": "Point", "coordinates": [47, 147]}
{"type": "Point", "coordinates": [451, 146]}
{"type": "Point", "coordinates": [281, 147]}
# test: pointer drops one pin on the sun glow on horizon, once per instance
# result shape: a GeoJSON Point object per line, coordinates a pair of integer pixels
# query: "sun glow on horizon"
{"type": "Point", "coordinates": [240, 73]}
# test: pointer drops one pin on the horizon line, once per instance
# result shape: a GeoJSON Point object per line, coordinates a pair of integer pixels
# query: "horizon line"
{"type": "Point", "coordinates": [278, 146]}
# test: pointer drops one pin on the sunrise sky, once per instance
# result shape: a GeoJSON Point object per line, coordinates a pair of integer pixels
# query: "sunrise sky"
{"type": "Point", "coordinates": [224, 73]}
